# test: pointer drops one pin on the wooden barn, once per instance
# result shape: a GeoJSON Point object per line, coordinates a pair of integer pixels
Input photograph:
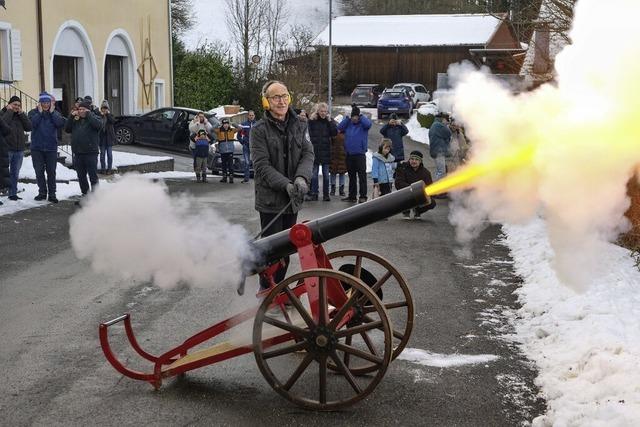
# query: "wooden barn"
{"type": "Point", "coordinates": [389, 49]}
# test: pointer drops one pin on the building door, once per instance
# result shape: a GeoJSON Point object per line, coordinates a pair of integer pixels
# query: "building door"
{"type": "Point", "coordinates": [113, 69]}
{"type": "Point", "coordinates": [65, 77]}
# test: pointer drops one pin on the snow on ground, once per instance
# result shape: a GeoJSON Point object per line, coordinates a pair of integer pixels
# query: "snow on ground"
{"type": "Point", "coordinates": [62, 173]}
{"type": "Point", "coordinates": [64, 191]}
{"type": "Point", "coordinates": [121, 158]}
{"type": "Point", "coordinates": [437, 360]}
{"type": "Point", "coordinates": [586, 346]}
{"type": "Point", "coordinates": [417, 132]}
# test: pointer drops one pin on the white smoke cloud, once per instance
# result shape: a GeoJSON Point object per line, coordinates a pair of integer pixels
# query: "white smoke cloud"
{"type": "Point", "coordinates": [586, 133]}
{"type": "Point", "coordinates": [133, 229]}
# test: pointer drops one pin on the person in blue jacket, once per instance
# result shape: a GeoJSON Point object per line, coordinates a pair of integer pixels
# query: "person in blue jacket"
{"type": "Point", "coordinates": [383, 167]}
{"type": "Point", "coordinates": [45, 123]}
{"type": "Point", "coordinates": [395, 130]}
{"type": "Point", "coordinates": [356, 133]}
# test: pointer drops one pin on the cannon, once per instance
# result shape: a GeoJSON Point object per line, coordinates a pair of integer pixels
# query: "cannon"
{"type": "Point", "coordinates": [322, 338]}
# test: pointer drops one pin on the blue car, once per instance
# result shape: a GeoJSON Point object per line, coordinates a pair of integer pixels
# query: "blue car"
{"type": "Point", "coordinates": [396, 100]}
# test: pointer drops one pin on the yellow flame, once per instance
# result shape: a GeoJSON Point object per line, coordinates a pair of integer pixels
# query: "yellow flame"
{"type": "Point", "coordinates": [465, 177]}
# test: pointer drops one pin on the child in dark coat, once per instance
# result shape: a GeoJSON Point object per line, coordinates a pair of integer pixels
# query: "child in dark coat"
{"type": "Point", "coordinates": [201, 154]}
{"type": "Point", "coordinates": [410, 172]}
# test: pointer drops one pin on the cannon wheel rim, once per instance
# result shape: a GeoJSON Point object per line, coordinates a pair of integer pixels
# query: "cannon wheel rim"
{"type": "Point", "coordinates": [402, 333]}
{"type": "Point", "coordinates": [362, 290]}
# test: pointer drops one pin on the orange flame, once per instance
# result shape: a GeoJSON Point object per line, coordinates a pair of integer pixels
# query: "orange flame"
{"type": "Point", "coordinates": [499, 165]}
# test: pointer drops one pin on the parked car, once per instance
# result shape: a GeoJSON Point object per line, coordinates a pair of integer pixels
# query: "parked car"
{"type": "Point", "coordinates": [366, 94]}
{"type": "Point", "coordinates": [165, 127]}
{"type": "Point", "coordinates": [395, 100]}
{"type": "Point", "coordinates": [215, 162]}
{"type": "Point", "coordinates": [417, 92]}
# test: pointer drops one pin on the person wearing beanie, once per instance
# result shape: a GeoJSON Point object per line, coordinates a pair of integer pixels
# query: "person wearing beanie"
{"type": "Point", "coordinates": [107, 138]}
{"type": "Point", "coordinates": [201, 154]}
{"type": "Point", "coordinates": [413, 171]}
{"type": "Point", "coordinates": [395, 130]}
{"type": "Point", "coordinates": [356, 134]}
{"type": "Point", "coordinates": [95, 110]}
{"type": "Point", "coordinates": [45, 122]}
{"type": "Point", "coordinates": [226, 135]}
{"type": "Point", "coordinates": [84, 127]}
{"type": "Point", "coordinates": [16, 141]}
{"type": "Point", "coordinates": [5, 181]}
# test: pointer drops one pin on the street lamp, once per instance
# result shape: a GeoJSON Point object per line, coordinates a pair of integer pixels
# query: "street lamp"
{"type": "Point", "coordinates": [330, 58]}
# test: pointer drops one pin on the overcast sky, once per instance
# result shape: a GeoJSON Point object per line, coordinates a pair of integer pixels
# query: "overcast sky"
{"type": "Point", "coordinates": [211, 19]}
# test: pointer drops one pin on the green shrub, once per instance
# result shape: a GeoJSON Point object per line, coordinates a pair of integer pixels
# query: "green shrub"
{"type": "Point", "coordinates": [425, 120]}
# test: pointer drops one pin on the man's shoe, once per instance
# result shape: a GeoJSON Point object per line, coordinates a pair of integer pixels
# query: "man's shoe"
{"type": "Point", "coordinates": [15, 198]}
{"type": "Point", "coordinates": [40, 197]}
{"type": "Point", "coordinates": [406, 215]}
{"type": "Point", "coordinates": [244, 181]}
{"type": "Point", "coordinates": [231, 180]}
{"type": "Point", "coordinates": [326, 198]}
{"type": "Point", "coordinates": [333, 190]}
{"type": "Point", "coordinates": [416, 214]}
{"type": "Point", "coordinates": [362, 199]}
{"type": "Point", "coordinates": [348, 199]}
{"type": "Point", "coordinates": [53, 199]}
{"type": "Point", "coordinates": [341, 191]}
{"type": "Point", "coordinates": [224, 179]}
{"type": "Point", "coordinates": [310, 197]}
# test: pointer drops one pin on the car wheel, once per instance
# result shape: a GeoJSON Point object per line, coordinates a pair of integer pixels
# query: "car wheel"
{"type": "Point", "coordinates": [124, 135]}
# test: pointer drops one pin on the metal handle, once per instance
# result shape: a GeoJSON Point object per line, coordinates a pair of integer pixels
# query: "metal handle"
{"type": "Point", "coordinates": [116, 320]}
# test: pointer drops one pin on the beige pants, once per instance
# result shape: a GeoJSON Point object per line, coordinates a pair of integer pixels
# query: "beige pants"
{"type": "Point", "coordinates": [200, 165]}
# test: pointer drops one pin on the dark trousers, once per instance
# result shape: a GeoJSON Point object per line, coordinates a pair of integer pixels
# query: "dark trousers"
{"type": "Point", "coordinates": [285, 221]}
{"type": "Point", "coordinates": [86, 164]}
{"type": "Point", "coordinates": [422, 209]}
{"type": "Point", "coordinates": [246, 156]}
{"type": "Point", "coordinates": [227, 164]}
{"type": "Point", "coordinates": [45, 162]}
{"type": "Point", "coordinates": [385, 188]}
{"type": "Point", "coordinates": [357, 166]}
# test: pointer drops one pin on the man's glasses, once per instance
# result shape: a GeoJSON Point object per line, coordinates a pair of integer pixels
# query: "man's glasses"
{"type": "Point", "coordinates": [284, 97]}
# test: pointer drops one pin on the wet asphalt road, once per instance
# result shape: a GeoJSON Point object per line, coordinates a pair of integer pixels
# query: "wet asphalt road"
{"type": "Point", "coordinates": [54, 372]}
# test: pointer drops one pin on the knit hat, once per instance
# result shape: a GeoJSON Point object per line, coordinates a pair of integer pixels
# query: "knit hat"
{"type": "Point", "coordinates": [355, 111]}
{"type": "Point", "coordinates": [416, 155]}
{"type": "Point", "coordinates": [44, 97]}
{"type": "Point", "coordinates": [89, 99]}
{"type": "Point", "coordinates": [85, 104]}
{"type": "Point", "coordinates": [202, 132]}
{"type": "Point", "coordinates": [393, 116]}
{"type": "Point", "coordinates": [225, 121]}
{"type": "Point", "coordinates": [15, 98]}
{"type": "Point", "coordinates": [105, 104]}
{"type": "Point", "coordinates": [79, 99]}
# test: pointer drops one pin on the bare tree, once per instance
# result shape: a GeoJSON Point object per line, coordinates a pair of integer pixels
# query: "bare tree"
{"type": "Point", "coordinates": [276, 14]}
{"type": "Point", "coordinates": [245, 25]}
{"type": "Point", "coordinates": [181, 16]}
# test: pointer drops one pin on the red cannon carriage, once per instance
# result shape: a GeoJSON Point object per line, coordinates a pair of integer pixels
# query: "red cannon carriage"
{"type": "Point", "coordinates": [324, 337]}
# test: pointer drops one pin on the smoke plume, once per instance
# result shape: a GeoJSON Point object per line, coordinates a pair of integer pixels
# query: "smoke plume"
{"type": "Point", "coordinates": [133, 229]}
{"type": "Point", "coordinates": [585, 128]}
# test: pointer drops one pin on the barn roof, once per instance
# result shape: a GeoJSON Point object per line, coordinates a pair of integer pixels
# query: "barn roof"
{"type": "Point", "coordinates": [410, 30]}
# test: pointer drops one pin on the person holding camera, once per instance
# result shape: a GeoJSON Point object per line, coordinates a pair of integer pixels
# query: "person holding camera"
{"type": "Point", "coordinates": [395, 130]}
{"type": "Point", "coordinates": [282, 156]}
{"type": "Point", "coordinates": [84, 127]}
{"type": "Point", "coordinates": [356, 136]}
{"type": "Point", "coordinates": [107, 137]}
{"type": "Point", "coordinates": [19, 123]}
{"type": "Point", "coordinates": [46, 122]}
{"type": "Point", "coordinates": [440, 143]}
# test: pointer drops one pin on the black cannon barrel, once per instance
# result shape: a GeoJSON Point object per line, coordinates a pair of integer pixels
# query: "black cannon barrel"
{"type": "Point", "coordinates": [345, 221]}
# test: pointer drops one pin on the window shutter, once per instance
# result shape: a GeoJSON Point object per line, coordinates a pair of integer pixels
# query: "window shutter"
{"type": "Point", "coordinates": [16, 55]}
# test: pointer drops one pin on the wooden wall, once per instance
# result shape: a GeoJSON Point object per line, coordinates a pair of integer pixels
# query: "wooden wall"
{"type": "Point", "coordinates": [388, 66]}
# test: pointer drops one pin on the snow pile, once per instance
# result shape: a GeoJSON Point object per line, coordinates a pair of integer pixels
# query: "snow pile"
{"type": "Point", "coordinates": [586, 346]}
{"type": "Point", "coordinates": [416, 131]}
{"type": "Point", "coordinates": [122, 158]}
{"type": "Point", "coordinates": [427, 358]}
{"type": "Point", "coordinates": [64, 192]}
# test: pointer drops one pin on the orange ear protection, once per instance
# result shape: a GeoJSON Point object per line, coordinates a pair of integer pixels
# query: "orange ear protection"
{"type": "Point", "coordinates": [265, 101]}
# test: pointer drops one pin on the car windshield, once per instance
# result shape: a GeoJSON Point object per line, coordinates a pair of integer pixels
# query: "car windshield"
{"type": "Point", "coordinates": [362, 90]}
{"type": "Point", "coordinates": [393, 94]}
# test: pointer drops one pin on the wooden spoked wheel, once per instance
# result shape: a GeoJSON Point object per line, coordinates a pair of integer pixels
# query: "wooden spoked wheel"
{"type": "Point", "coordinates": [297, 368]}
{"type": "Point", "coordinates": [390, 286]}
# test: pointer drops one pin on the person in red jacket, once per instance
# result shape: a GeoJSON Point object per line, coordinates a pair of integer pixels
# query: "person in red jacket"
{"type": "Point", "coordinates": [413, 171]}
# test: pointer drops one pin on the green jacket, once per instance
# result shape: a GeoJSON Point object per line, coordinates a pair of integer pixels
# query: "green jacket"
{"type": "Point", "coordinates": [85, 133]}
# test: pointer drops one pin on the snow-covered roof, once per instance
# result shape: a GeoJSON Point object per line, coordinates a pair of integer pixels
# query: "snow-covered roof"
{"type": "Point", "coordinates": [410, 30]}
